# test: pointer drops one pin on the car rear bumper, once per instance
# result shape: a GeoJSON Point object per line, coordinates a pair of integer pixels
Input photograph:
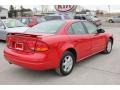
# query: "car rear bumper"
{"type": "Point", "coordinates": [34, 61]}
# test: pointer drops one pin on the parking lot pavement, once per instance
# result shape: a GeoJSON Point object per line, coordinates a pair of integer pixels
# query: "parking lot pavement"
{"type": "Point", "coordinates": [114, 25]}
{"type": "Point", "coordinates": [106, 24]}
{"type": "Point", "coordinates": [98, 69]}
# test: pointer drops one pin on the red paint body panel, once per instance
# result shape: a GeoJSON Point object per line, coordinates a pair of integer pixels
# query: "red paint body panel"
{"type": "Point", "coordinates": [33, 22]}
{"type": "Point", "coordinates": [36, 61]}
{"type": "Point", "coordinates": [30, 21]}
{"type": "Point", "coordinates": [84, 45]}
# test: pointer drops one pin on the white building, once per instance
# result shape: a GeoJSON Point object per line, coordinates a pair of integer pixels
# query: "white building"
{"type": "Point", "coordinates": [3, 13]}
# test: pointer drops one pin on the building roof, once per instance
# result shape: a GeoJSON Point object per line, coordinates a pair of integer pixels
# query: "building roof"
{"type": "Point", "coordinates": [1, 8]}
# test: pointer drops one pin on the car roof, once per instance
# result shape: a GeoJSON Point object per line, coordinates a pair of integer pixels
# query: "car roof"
{"type": "Point", "coordinates": [7, 19]}
{"type": "Point", "coordinates": [56, 15]}
{"type": "Point", "coordinates": [67, 21]}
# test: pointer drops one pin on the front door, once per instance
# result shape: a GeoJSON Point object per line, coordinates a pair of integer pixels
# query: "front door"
{"type": "Point", "coordinates": [98, 39]}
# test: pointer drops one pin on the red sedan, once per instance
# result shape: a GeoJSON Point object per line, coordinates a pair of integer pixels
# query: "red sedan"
{"type": "Point", "coordinates": [31, 21]}
{"type": "Point", "coordinates": [56, 45]}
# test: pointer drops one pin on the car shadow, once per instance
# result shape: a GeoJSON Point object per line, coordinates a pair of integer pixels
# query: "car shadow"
{"type": "Point", "coordinates": [50, 73]}
{"type": "Point", "coordinates": [36, 73]}
{"type": "Point", "coordinates": [2, 41]}
{"type": "Point", "coordinates": [26, 76]}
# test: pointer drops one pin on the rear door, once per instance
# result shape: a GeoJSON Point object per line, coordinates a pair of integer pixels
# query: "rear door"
{"type": "Point", "coordinates": [80, 39]}
{"type": "Point", "coordinates": [98, 39]}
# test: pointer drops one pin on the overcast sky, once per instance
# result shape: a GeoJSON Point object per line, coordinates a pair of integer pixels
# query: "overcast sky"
{"type": "Point", "coordinates": [113, 8]}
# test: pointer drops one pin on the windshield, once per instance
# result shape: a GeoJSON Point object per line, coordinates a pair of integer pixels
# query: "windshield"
{"type": "Point", "coordinates": [13, 23]}
{"type": "Point", "coordinates": [49, 27]}
{"type": "Point", "coordinates": [24, 20]}
{"type": "Point", "coordinates": [40, 19]}
{"type": "Point", "coordinates": [91, 17]}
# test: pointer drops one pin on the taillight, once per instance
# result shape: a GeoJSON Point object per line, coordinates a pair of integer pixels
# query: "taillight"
{"type": "Point", "coordinates": [31, 45]}
{"type": "Point", "coordinates": [41, 46]}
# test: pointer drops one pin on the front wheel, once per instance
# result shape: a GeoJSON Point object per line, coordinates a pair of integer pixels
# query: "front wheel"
{"type": "Point", "coordinates": [111, 21]}
{"type": "Point", "coordinates": [66, 64]}
{"type": "Point", "coordinates": [108, 48]}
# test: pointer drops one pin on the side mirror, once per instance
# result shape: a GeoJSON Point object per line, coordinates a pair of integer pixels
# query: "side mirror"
{"type": "Point", "coordinates": [100, 30]}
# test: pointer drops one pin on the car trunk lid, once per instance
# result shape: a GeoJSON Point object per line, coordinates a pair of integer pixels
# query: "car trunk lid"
{"type": "Point", "coordinates": [21, 42]}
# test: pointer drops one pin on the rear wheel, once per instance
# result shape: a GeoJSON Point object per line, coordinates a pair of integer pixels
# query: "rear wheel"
{"type": "Point", "coordinates": [111, 21]}
{"type": "Point", "coordinates": [108, 48]}
{"type": "Point", "coordinates": [66, 64]}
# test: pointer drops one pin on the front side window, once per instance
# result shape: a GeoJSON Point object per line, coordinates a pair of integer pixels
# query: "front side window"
{"type": "Point", "coordinates": [49, 27]}
{"type": "Point", "coordinates": [92, 29]}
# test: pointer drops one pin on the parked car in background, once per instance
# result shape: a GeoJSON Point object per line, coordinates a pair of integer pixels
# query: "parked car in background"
{"type": "Point", "coordinates": [90, 18]}
{"type": "Point", "coordinates": [114, 19]}
{"type": "Point", "coordinates": [10, 26]}
{"type": "Point", "coordinates": [56, 17]}
{"type": "Point", "coordinates": [31, 21]}
{"type": "Point", "coordinates": [57, 45]}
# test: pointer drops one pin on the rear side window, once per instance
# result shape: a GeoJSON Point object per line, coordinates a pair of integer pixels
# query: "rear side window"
{"type": "Point", "coordinates": [78, 28]}
{"type": "Point", "coordinates": [70, 30]}
{"type": "Point", "coordinates": [49, 27]}
{"type": "Point", "coordinates": [48, 18]}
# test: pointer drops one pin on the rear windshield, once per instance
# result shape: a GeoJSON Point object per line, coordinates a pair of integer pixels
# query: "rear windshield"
{"type": "Point", "coordinates": [49, 27]}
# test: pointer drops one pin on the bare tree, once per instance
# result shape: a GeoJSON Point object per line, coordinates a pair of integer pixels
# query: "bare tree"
{"type": "Point", "coordinates": [44, 8]}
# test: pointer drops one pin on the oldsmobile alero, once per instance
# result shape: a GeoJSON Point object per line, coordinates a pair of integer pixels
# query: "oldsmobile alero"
{"type": "Point", "coordinates": [56, 45]}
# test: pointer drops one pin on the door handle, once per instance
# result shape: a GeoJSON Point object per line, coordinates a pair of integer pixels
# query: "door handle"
{"type": "Point", "coordinates": [95, 35]}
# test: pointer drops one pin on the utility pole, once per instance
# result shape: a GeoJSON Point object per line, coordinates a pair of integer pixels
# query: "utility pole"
{"type": "Point", "coordinates": [109, 9]}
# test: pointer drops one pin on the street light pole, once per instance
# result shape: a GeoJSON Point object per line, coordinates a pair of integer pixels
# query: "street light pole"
{"type": "Point", "coordinates": [109, 9]}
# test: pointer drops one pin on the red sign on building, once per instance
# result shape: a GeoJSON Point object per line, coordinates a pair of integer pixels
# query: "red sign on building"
{"type": "Point", "coordinates": [64, 8]}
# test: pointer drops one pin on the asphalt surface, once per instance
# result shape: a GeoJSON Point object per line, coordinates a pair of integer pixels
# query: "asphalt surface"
{"type": "Point", "coordinates": [99, 69]}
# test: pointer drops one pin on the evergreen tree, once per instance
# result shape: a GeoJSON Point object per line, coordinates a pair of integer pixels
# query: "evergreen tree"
{"type": "Point", "coordinates": [11, 11]}
{"type": "Point", "coordinates": [22, 11]}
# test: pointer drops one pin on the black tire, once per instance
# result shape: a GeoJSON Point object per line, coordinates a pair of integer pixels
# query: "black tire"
{"type": "Point", "coordinates": [111, 21]}
{"type": "Point", "coordinates": [107, 51]}
{"type": "Point", "coordinates": [60, 70]}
